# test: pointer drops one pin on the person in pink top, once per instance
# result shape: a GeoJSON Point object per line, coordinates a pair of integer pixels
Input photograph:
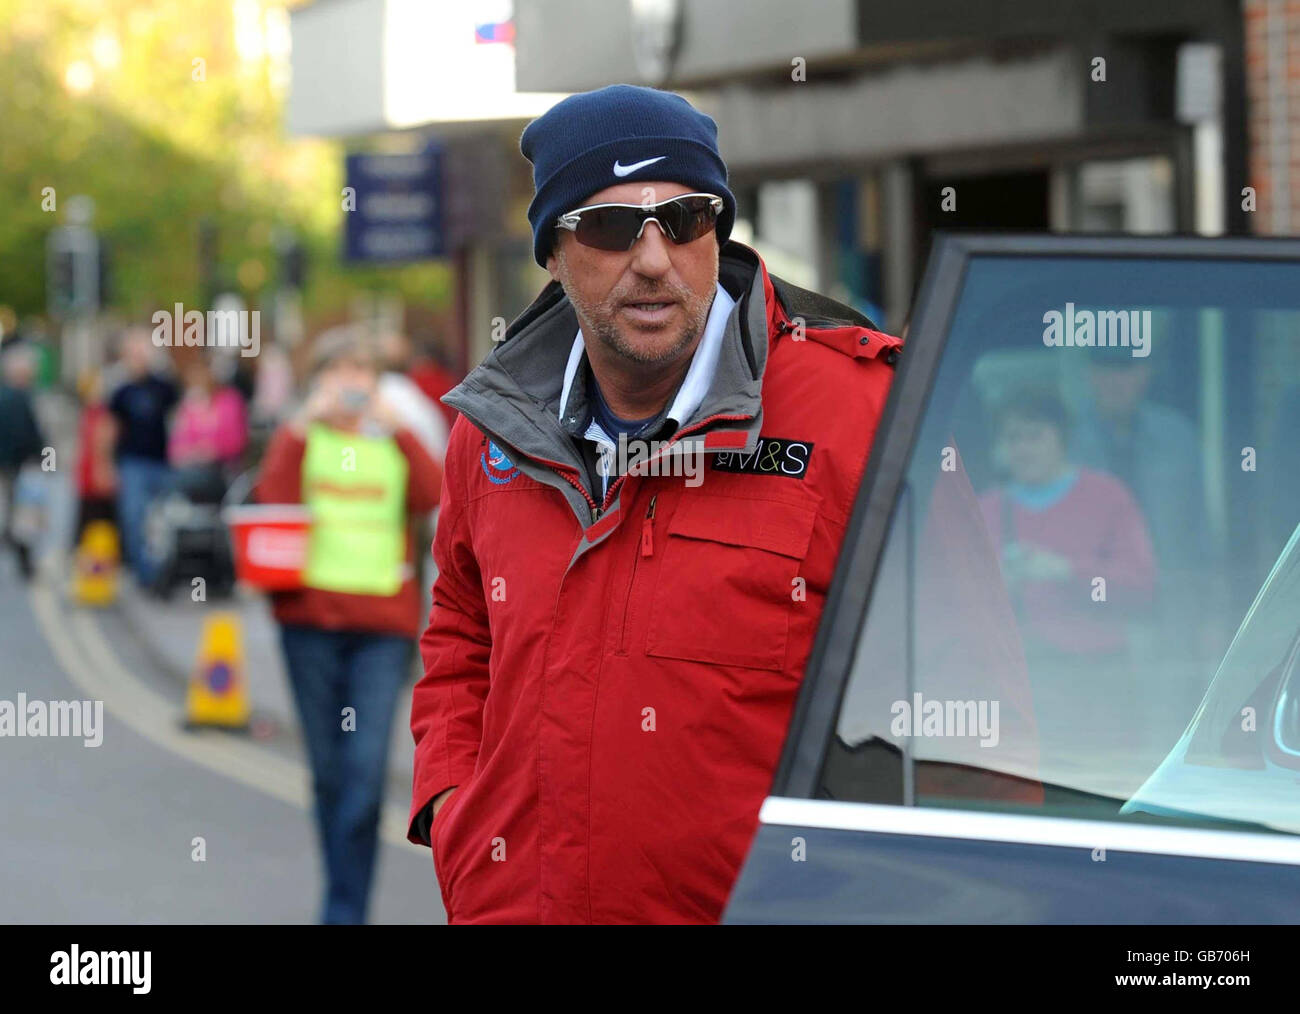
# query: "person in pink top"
{"type": "Point", "coordinates": [210, 427]}
{"type": "Point", "coordinates": [1079, 568]}
{"type": "Point", "coordinates": [1060, 527]}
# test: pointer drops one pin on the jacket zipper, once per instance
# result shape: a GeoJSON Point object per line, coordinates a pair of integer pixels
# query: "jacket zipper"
{"type": "Point", "coordinates": [647, 549]}
{"type": "Point", "coordinates": [647, 531]}
{"type": "Point", "coordinates": [567, 474]}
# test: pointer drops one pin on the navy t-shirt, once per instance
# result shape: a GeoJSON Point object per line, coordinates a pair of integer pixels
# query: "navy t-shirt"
{"type": "Point", "coordinates": [141, 407]}
{"type": "Point", "coordinates": [612, 424]}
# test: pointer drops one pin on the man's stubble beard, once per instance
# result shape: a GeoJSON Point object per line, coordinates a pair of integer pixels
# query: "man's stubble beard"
{"type": "Point", "coordinates": [599, 318]}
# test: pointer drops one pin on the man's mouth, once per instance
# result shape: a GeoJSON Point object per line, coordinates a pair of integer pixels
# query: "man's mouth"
{"type": "Point", "coordinates": [649, 311]}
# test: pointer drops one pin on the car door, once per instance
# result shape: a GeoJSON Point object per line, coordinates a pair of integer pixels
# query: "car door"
{"type": "Point", "coordinates": [1053, 680]}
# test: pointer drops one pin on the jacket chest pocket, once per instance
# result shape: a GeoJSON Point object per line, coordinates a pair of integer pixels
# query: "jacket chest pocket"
{"type": "Point", "coordinates": [727, 581]}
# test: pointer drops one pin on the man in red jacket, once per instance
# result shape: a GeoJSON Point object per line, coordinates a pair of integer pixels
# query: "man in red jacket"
{"type": "Point", "coordinates": [643, 502]}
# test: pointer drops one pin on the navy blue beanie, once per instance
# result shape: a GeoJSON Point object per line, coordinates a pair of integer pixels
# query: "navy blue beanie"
{"type": "Point", "coordinates": [588, 141]}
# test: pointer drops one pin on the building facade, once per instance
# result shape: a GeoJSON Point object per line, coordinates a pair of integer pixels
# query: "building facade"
{"type": "Point", "coordinates": [855, 128]}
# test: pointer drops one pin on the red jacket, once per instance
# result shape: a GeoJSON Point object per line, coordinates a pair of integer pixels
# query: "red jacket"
{"type": "Point", "coordinates": [609, 684]}
{"type": "Point", "coordinates": [96, 471]}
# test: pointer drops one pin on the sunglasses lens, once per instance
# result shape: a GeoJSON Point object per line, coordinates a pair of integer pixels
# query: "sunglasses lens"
{"type": "Point", "coordinates": [683, 219]}
{"type": "Point", "coordinates": [608, 228]}
{"type": "Point", "coordinates": [687, 218]}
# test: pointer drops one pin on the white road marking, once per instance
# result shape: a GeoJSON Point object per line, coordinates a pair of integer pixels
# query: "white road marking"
{"type": "Point", "coordinates": [91, 663]}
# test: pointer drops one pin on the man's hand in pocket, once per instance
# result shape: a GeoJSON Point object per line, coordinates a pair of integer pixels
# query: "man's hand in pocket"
{"type": "Point", "coordinates": [441, 798]}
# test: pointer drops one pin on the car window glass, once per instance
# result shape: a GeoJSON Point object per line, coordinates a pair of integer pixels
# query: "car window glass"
{"type": "Point", "coordinates": [1101, 486]}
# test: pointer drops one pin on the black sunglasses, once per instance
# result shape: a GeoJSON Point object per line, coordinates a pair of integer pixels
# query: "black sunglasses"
{"type": "Point", "coordinates": [618, 226]}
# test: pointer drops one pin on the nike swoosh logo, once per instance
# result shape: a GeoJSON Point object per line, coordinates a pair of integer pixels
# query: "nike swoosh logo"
{"type": "Point", "coordinates": [625, 170]}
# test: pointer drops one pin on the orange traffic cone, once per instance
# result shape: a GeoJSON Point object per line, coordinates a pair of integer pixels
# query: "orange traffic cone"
{"type": "Point", "coordinates": [95, 568]}
{"type": "Point", "coordinates": [218, 691]}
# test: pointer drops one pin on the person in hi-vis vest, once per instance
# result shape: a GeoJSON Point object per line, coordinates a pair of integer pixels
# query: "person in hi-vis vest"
{"type": "Point", "coordinates": [349, 632]}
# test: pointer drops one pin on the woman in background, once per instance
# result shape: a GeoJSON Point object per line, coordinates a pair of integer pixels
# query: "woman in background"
{"type": "Point", "coordinates": [349, 634]}
{"type": "Point", "coordinates": [208, 433]}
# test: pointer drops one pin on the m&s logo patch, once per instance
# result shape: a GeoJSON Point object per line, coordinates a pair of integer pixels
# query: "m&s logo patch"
{"type": "Point", "coordinates": [772, 456]}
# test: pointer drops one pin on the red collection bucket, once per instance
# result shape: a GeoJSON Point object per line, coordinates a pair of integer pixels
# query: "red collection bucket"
{"type": "Point", "coordinates": [270, 544]}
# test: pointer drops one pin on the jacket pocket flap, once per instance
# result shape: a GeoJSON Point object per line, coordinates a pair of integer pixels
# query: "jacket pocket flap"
{"type": "Point", "coordinates": [773, 525]}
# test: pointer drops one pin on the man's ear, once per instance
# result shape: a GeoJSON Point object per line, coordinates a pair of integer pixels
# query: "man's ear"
{"type": "Point", "coordinates": [553, 266]}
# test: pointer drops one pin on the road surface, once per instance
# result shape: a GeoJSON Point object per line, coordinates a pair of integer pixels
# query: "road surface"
{"type": "Point", "coordinates": [107, 834]}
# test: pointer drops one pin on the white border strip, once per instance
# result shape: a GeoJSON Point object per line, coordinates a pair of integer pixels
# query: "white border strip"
{"type": "Point", "coordinates": [1060, 832]}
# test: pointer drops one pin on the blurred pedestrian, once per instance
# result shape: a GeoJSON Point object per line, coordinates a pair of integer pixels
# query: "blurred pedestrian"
{"type": "Point", "coordinates": [1156, 451]}
{"type": "Point", "coordinates": [433, 375]}
{"type": "Point", "coordinates": [96, 470]}
{"type": "Point", "coordinates": [1060, 527]}
{"type": "Point", "coordinates": [348, 634]}
{"type": "Point", "coordinates": [140, 406]}
{"type": "Point", "coordinates": [417, 412]}
{"type": "Point", "coordinates": [20, 439]}
{"type": "Point", "coordinates": [208, 433]}
{"type": "Point", "coordinates": [273, 387]}
{"type": "Point", "coordinates": [421, 416]}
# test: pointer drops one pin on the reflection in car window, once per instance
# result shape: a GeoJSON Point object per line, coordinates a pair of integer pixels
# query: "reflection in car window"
{"type": "Point", "coordinates": [1101, 484]}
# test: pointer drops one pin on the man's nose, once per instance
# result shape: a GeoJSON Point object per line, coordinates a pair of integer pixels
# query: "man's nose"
{"type": "Point", "coordinates": [650, 251]}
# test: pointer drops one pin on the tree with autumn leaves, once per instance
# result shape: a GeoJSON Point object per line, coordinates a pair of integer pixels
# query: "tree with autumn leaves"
{"type": "Point", "coordinates": [169, 115]}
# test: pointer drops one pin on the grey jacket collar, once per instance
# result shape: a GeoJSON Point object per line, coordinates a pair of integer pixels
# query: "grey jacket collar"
{"type": "Point", "coordinates": [513, 395]}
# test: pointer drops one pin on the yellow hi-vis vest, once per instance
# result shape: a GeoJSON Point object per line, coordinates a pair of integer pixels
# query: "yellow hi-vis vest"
{"type": "Point", "coordinates": [355, 487]}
